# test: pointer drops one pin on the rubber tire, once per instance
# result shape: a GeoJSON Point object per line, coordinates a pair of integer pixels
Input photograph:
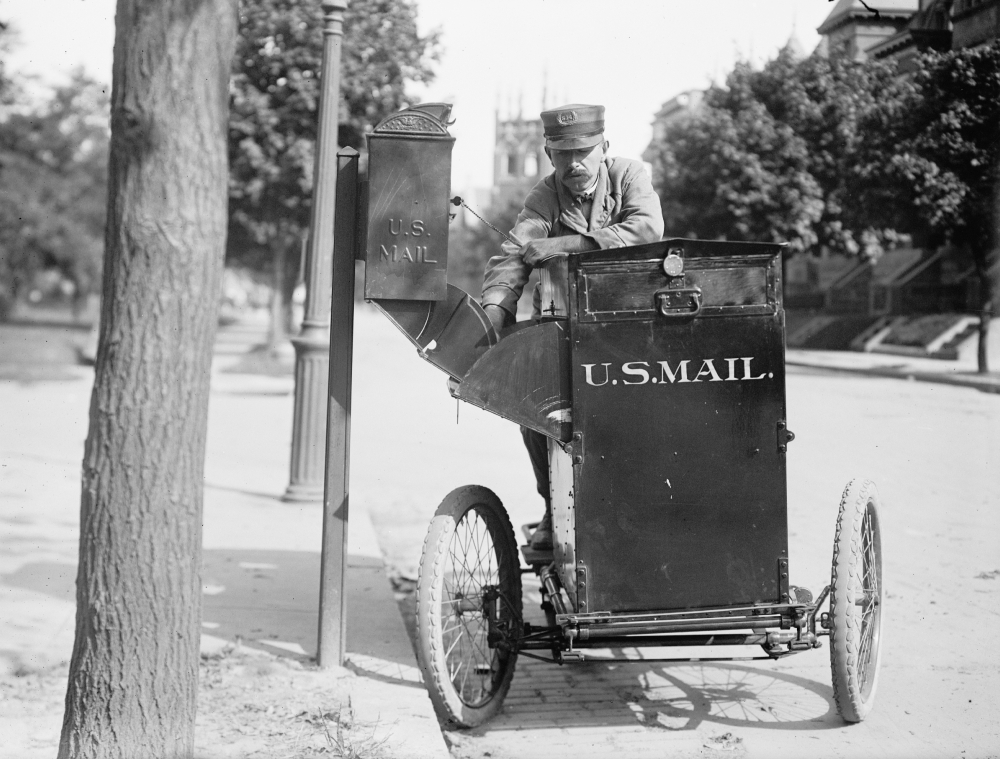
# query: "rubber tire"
{"type": "Point", "coordinates": [855, 674]}
{"type": "Point", "coordinates": [433, 653]}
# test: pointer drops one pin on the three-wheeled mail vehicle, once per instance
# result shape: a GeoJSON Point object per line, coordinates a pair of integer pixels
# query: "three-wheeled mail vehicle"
{"type": "Point", "coordinates": [657, 374]}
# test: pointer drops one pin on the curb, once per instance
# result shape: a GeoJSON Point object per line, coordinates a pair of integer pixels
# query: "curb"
{"type": "Point", "coordinates": [983, 384]}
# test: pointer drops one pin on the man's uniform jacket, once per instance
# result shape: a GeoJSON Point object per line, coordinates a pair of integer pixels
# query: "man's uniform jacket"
{"type": "Point", "coordinates": [625, 211]}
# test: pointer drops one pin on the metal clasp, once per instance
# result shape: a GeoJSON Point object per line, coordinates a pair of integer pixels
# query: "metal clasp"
{"type": "Point", "coordinates": [785, 436]}
{"type": "Point", "coordinates": [679, 303]}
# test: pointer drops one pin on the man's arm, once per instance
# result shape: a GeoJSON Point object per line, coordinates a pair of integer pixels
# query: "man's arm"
{"type": "Point", "coordinates": [538, 251]}
{"type": "Point", "coordinates": [534, 252]}
{"type": "Point", "coordinates": [507, 274]}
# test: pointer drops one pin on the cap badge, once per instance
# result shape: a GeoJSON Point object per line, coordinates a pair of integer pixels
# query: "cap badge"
{"type": "Point", "coordinates": [566, 117]}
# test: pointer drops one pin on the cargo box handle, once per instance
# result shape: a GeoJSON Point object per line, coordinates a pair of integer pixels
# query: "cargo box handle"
{"type": "Point", "coordinates": [679, 303]}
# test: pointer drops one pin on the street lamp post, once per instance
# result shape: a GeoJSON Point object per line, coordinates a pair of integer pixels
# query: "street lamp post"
{"type": "Point", "coordinates": [312, 358]}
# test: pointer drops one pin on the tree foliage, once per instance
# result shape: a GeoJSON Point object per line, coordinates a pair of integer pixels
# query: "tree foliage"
{"type": "Point", "coordinates": [8, 87]}
{"type": "Point", "coordinates": [53, 186]}
{"type": "Point", "coordinates": [948, 145]}
{"type": "Point", "coordinates": [848, 155]}
{"type": "Point", "coordinates": [946, 160]}
{"type": "Point", "coordinates": [472, 243]}
{"type": "Point", "coordinates": [775, 155]}
{"type": "Point", "coordinates": [275, 95]}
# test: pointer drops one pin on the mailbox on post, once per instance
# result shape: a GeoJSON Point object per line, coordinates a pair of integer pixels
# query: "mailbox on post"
{"type": "Point", "coordinates": [409, 184]}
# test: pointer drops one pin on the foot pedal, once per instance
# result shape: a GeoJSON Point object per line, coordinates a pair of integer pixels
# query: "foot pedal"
{"type": "Point", "coordinates": [528, 529]}
{"type": "Point", "coordinates": [533, 557]}
{"type": "Point", "coordinates": [797, 595]}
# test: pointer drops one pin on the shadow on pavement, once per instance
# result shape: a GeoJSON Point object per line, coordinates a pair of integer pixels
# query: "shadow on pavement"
{"type": "Point", "coordinates": [270, 600]}
{"type": "Point", "coordinates": [674, 696]}
{"type": "Point", "coordinates": [51, 578]}
{"type": "Point", "coordinates": [680, 696]}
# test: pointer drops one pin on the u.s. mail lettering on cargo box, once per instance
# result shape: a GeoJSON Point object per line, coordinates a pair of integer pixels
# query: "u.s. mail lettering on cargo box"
{"type": "Point", "coordinates": [737, 369]}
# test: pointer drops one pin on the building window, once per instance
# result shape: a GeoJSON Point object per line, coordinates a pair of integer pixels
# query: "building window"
{"type": "Point", "coordinates": [530, 164]}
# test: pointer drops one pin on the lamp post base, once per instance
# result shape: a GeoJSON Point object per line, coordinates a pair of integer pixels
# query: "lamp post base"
{"type": "Point", "coordinates": [303, 494]}
{"type": "Point", "coordinates": [312, 369]}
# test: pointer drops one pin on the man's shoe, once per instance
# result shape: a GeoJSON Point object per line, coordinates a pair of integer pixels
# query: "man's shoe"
{"type": "Point", "coordinates": [541, 538]}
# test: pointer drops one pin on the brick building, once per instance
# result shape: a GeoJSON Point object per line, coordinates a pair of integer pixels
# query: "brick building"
{"type": "Point", "coordinates": [856, 29]}
{"type": "Point", "coordinates": [519, 159]}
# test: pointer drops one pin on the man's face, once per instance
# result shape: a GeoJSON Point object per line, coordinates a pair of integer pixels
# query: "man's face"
{"type": "Point", "coordinates": [577, 169]}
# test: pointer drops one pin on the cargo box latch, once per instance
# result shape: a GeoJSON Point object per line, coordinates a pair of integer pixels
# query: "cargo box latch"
{"type": "Point", "coordinates": [679, 303]}
{"type": "Point", "coordinates": [785, 436]}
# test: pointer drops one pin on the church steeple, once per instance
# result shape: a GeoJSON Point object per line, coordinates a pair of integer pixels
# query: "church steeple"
{"type": "Point", "coordinates": [519, 159]}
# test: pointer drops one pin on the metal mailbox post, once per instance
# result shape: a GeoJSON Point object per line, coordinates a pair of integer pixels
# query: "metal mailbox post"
{"type": "Point", "coordinates": [395, 219]}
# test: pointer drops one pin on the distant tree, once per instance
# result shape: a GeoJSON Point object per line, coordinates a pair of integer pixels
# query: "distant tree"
{"type": "Point", "coordinates": [828, 151]}
{"type": "Point", "coordinates": [773, 156]}
{"type": "Point", "coordinates": [134, 670]}
{"type": "Point", "coordinates": [946, 157]}
{"type": "Point", "coordinates": [275, 95]}
{"type": "Point", "coordinates": [478, 243]}
{"type": "Point", "coordinates": [53, 187]}
{"type": "Point", "coordinates": [8, 87]}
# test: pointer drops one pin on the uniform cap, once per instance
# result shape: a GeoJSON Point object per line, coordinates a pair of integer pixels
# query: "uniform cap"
{"type": "Point", "coordinates": [570, 127]}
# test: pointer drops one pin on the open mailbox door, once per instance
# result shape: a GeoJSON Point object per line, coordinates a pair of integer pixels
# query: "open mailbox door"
{"type": "Point", "coordinates": [406, 211]}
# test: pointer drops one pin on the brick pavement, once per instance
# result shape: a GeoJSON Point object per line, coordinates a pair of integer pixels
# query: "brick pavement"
{"type": "Point", "coordinates": [646, 708]}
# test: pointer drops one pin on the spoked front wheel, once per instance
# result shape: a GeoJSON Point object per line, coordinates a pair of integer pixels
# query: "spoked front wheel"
{"type": "Point", "coordinates": [469, 606]}
{"type": "Point", "coordinates": [856, 601]}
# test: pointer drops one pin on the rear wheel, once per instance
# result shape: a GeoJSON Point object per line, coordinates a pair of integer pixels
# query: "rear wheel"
{"type": "Point", "coordinates": [469, 586]}
{"type": "Point", "coordinates": [856, 601]}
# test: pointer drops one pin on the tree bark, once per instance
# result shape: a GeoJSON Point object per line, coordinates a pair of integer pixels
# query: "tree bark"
{"type": "Point", "coordinates": [986, 256]}
{"type": "Point", "coordinates": [278, 332]}
{"type": "Point", "coordinates": [133, 674]}
{"type": "Point", "coordinates": [988, 290]}
{"type": "Point", "coordinates": [982, 354]}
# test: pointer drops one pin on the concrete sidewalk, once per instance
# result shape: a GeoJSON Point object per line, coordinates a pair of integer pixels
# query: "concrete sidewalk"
{"type": "Point", "coordinates": [261, 568]}
{"type": "Point", "coordinates": [261, 555]}
{"type": "Point", "coordinates": [961, 372]}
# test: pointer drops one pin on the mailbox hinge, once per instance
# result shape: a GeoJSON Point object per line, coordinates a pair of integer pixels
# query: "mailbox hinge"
{"type": "Point", "coordinates": [581, 588]}
{"type": "Point", "coordinates": [785, 436]}
{"type": "Point", "coordinates": [575, 447]}
{"type": "Point", "coordinates": [783, 592]}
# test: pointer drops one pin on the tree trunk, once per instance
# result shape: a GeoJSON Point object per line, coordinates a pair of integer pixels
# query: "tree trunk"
{"type": "Point", "coordinates": [278, 332]}
{"type": "Point", "coordinates": [988, 270]}
{"type": "Point", "coordinates": [982, 356]}
{"type": "Point", "coordinates": [133, 674]}
{"type": "Point", "coordinates": [294, 276]}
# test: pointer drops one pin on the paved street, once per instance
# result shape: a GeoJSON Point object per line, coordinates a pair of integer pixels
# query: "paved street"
{"type": "Point", "coordinates": [932, 449]}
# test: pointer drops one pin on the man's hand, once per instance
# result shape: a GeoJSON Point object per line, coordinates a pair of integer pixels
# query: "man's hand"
{"type": "Point", "coordinates": [541, 250]}
{"type": "Point", "coordinates": [497, 317]}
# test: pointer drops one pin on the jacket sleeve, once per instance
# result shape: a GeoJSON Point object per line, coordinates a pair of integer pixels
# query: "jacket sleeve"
{"type": "Point", "coordinates": [640, 218]}
{"type": "Point", "coordinates": [507, 274]}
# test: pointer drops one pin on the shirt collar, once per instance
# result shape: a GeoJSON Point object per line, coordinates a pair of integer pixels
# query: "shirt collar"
{"type": "Point", "coordinates": [588, 194]}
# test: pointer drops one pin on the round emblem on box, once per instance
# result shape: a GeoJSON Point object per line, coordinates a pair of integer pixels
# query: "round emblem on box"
{"type": "Point", "coordinates": [566, 117]}
{"type": "Point", "coordinates": [673, 265]}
